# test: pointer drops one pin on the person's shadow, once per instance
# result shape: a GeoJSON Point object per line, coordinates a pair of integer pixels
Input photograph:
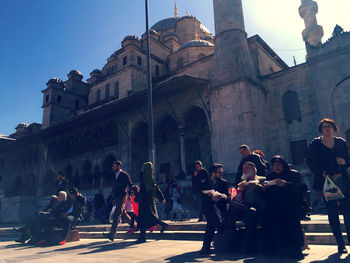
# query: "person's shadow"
{"type": "Point", "coordinates": [194, 256]}
{"type": "Point", "coordinates": [334, 258]}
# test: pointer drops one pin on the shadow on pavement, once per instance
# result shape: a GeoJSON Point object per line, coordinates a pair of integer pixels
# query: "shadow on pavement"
{"type": "Point", "coordinates": [196, 257]}
{"type": "Point", "coordinates": [109, 246]}
{"type": "Point", "coordinates": [334, 258]}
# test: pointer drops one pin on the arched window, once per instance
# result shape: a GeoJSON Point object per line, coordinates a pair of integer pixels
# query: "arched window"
{"type": "Point", "coordinates": [98, 95]}
{"type": "Point", "coordinates": [107, 91]}
{"type": "Point", "coordinates": [116, 90]}
{"type": "Point", "coordinates": [291, 106]}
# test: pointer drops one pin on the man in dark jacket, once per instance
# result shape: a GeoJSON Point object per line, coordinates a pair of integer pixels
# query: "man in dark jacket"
{"type": "Point", "coordinates": [215, 196]}
{"type": "Point", "coordinates": [121, 185]}
{"type": "Point", "coordinates": [75, 213]}
{"type": "Point", "coordinates": [199, 174]}
{"type": "Point", "coordinates": [248, 156]}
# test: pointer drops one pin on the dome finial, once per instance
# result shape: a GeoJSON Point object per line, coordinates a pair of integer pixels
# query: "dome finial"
{"type": "Point", "coordinates": [186, 12]}
{"type": "Point", "coordinates": [176, 9]}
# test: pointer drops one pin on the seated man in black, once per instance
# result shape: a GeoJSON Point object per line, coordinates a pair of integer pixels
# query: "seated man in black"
{"type": "Point", "coordinates": [248, 156]}
{"type": "Point", "coordinates": [215, 195]}
{"type": "Point", "coordinates": [40, 225]}
{"type": "Point", "coordinates": [73, 215]}
{"type": "Point", "coordinates": [27, 230]}
{"type": "Point", "coordinates": [65, 215]}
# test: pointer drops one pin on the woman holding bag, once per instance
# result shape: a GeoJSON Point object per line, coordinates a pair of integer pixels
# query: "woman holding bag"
{"type": "Point", "coordinates": [329, 156]}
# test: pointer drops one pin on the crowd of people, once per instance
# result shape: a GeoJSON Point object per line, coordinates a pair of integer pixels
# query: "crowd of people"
{"type": "Point", "coordinates": [273, 196]}
{"type": "Point", "coordinates": [266, 196]}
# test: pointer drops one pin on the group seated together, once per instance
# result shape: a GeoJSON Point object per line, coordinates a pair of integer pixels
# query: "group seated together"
{"type": "Point", "coordinates": [268, 201]}
{"type": "Point", "coordinates": [273, 202]}
{"type": "Point", "coordinates": [52, 224]}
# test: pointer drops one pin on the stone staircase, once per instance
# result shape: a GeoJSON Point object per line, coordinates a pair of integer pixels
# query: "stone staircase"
{"type": "Point", "coordinates": [317, 231]}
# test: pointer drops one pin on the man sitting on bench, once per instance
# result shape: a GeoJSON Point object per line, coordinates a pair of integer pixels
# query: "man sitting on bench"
{"type": "Point", "coordinates": [251, 208]}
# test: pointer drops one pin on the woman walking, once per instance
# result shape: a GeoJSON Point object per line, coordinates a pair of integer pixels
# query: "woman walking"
{"type": "Point", "coordinates": [329, 156]}
{"type": "Point", "coordinates": [149, 193]}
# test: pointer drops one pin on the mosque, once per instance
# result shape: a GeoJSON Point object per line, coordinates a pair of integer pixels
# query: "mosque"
{"type": "Point", "coordinates": [211, 93]}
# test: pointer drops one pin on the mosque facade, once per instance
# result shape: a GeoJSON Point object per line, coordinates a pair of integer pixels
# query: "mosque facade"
{"type": "Point", "coordinates": [211, 93]}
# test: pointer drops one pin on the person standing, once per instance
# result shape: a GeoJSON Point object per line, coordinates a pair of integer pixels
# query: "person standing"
{"type": "Point", "coordinates": [62, 183]}
{"type": "Point", "coordinates": [329, 156]}
{"type": "Point", "coordinates": [199, 174]}
{"type": "Point", "coordinates": [122, 183]}
{"type": "Point", "coordinates": [215, 196]}
{"type": "Point", "coordinates": [149, 192]}
{"type": "Point", "coordinates": [248, 156]}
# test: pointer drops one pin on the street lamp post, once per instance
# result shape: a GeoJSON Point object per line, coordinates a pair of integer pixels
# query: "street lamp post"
{"type": "Point", "coordinates": [149, 92]}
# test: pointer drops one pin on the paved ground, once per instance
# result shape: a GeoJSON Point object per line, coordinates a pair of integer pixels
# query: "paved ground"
{"type": "Point", "coordinates": [90, 250]}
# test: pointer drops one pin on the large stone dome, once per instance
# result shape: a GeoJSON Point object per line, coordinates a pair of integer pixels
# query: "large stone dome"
{"type": "Point", "coordinates": [197, 43]}
{"type": "Point", "coordinates": [166, 24]}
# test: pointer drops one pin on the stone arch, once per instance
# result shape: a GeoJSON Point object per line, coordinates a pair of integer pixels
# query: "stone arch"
{"type": "Point", "coordinates": [340, 101]}
{"type": "Point", "coordinates": [86, 176]}
{"type": "Point", "coordinates": [108, 174]}
{"type": "Point", "coordinates": [167, 141]}
{"type": "Point", "coordinates": [197, 138]}
{"type": "Point", "coordinates": [30, 185]}
{"type": "Point", "coordinates": [139, 148]}
{"type": "Point", "coordinates": [291, 106]}
{"type": "Point", "coordinates": [49, 183]}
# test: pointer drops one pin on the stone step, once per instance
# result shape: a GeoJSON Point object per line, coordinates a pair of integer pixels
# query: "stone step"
{"type": "Point", "coordinates": [318, 227]}
{"type": "Point", "coordinates": [313, 238]}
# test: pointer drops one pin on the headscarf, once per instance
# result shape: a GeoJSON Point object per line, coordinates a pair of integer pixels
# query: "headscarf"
{"type": "Point", "coordinates": [279, 159]}
{"type": "Point", "coordinates": [148, 178]}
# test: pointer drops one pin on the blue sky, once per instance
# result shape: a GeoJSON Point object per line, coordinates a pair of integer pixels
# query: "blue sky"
{"type": "Point", "coordinates": [41, 39]}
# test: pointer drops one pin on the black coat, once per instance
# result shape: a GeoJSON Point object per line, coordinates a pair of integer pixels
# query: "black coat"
{"type": "Point", "coordinates": [321, 158]}
{"type": "Point", "coordinates": [120, 185]}
{"type": "Point", "coordinates": [259, 163]}
{"type": "Point", "coordinates": [281, 216]}
{"type": "Point", "coordinates": [148, 214]}
{"type": "Point", "coordinates": [196, 180]}
{"type": "Point", "coordinates": [208, 205]}
{"type": "Point", "coordinates": [79, 207]}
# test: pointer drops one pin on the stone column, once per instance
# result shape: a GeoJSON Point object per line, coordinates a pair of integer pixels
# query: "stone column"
{"type": "Point", "coordinates": [182, 148]}
{"type": "Point", "coordinates": [313, 33]}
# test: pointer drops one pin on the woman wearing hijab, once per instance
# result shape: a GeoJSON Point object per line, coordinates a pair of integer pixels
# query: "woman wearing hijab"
{"type": "Point", "coordinates": [149, 193]}
{"type": "Point", "coordinates": [281, 221]}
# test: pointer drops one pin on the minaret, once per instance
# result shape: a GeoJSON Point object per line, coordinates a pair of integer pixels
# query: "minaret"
{"type": "Point", "coordinates": [233, 60]}
{"type": "Point", "coordinates": [313, 32]}
{"type": "Point", "coordinates": [238, 105]}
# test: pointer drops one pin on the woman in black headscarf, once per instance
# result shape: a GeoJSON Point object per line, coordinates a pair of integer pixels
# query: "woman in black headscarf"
{"type": "Point", "coordinates": [281, 221]}
{"type": "Point", "coordinates": [149, 193]}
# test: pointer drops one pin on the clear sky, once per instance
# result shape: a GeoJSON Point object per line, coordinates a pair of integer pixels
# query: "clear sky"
{"type": "Point", "coordinates": [42, 39]}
